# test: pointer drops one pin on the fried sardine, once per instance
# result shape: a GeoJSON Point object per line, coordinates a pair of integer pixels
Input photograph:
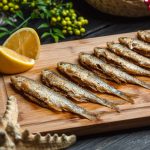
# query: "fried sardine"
{"type": "Point", "coordinates": [144, 35]}
{"type": "Point", "coordinates": [122, 50]}
{"type": "Point", "coordinates": [88, 79]}
{"type": "Point", "coordinates": [139, 46]}
{"type": "Point", "coordinates": [117, 74]}
{"type": "Point", "coordinates": [127, 66]}
{"type": "Point", "coordinates": [72, 90]}
{"type": "Point", "coordinates": [50, 98]}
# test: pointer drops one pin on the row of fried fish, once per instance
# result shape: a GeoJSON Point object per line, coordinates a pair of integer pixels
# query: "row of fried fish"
{"type": "Point", "coordinates": [118, 54]}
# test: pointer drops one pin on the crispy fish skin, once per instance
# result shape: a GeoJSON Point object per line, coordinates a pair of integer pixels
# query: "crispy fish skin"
{"type": "Point", "coordinates": [137, 45]}
{"type": "Point", "coordinates": [122, 50]}
{"type": "Point", "coordinates": [117, 74]}
{"type": "Point", "coordinates": [49, 97]}
{"type": "Point", "coordinates": [87, 78]}
{"type": "Point", "coordinates": [126, 65]}
{"type": "Point", "coordinates": [144, 35]}
{"type": "Point", "coordinates": [33, 99]}
{"type": "Point", "coordinates": [72, 90]}
{"type": "Point", "coordinates": [100, 74]}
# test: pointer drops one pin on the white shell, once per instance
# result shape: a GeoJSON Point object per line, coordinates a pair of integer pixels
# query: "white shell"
{"type": "Point", "coordinates": [12, 138]}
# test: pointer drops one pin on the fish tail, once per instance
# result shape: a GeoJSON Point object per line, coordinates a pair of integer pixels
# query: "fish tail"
{"type": "Point", "coordinates": [129, 97]}
{"type": "Point", "coordinates": [92, 116]}
{"type": "Point", "coordinates": [116, 108]}
{"type": "Point", "coordinates": [147, 86]}
{"type": "Point", "coordinates": [117, 102]}
{"type": "Point", "coordinates": [111, 105]}
{"type": "Point", "coordinates": [125, 96]}
{"type": "Point", "coordinates": [143, 84]}
{"type": "Point", "coordinates": [84, 113]}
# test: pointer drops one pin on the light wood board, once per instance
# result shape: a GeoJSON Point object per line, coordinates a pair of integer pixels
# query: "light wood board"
{"type": "Point", "coordinates": [37, 119]}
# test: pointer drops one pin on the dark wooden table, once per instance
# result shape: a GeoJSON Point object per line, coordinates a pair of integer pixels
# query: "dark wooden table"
{"type": "Point", "coordinates": [100, 25]}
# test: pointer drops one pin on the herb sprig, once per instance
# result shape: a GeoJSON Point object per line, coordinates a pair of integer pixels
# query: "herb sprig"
{"type": "Point", "coordinates": [58, 19]}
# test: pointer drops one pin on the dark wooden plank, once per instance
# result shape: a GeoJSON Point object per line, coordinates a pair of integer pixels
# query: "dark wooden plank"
{"type": "Point", "coordinates": [131, 140]}
{"type": "Point", "coordinates": [134, 141]}
{"type": "Point", "coordinates": [122, 28]}
{"type": "Point", "coordinates": [96, 143]}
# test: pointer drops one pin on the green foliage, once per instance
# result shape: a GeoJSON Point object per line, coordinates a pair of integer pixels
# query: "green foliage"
{"type": "Point", "coordinates": [58, 19]}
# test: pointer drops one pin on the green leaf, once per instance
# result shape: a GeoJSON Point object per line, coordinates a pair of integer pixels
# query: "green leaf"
{"type": "Point", "coordinates": [34, 15]}
{"type": "Point", "coordinates": [43, 8]}
{"type": "Point", "coordinates": [39, 2]}
{"type": "Point", "coordinates": [3, 34]}
{"type": "Point", "coordinates": [45, 34]}
{"type": "Point", "coordinates": [4, 29]}
{"type": "Point", "coordinates": [25, 24]}
{"type": "Point", "coordinates": [44, 25]}
{"type": "Point", "coordinates": [56, 38]}
{"type": "Point", "coordinates": [20, 15]}
{"type": "Point", "coordinates": [42, 15]}
{"type": "Point", "coordinates": [58, 32]}
{"type": "Point", "coordinates": [9, 22]}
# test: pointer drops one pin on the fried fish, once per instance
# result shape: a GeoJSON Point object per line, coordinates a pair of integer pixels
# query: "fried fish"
{"type": "Point", "coordinates": [128, 53]}
{"type": "Point", "coordinates": [117, 74]}
{"type": "Point", "coordinates": [72, 90]}
{"type": "Point", "coordinates": [127, 66]}
{"type": "Point", "coordinates": [139, 46]}
{"type": "Point", "coordinates": [88, 79]}
{"type": "Point", "coordinates": [48, 97]}
{"type": "Point", "coordinates": [144, 35]}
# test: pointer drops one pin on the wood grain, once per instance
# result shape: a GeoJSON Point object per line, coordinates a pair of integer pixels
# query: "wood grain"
{"type": "Point", "coordinates": [3, 95]}
{"type": "Point", "coordinates": [38, 119]}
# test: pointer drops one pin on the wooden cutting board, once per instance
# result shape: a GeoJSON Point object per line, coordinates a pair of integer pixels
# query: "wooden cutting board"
{"type": "Point", "coordinates": [37, 119]}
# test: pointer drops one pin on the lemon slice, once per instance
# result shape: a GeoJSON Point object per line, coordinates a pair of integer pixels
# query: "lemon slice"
{"type": "Point", "coordinates": [12, 62]}
{"type": "Point", "coordinates": [24, 41]}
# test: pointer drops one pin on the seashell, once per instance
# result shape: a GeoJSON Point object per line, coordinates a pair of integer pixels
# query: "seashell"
{"type": "Point", "coordinates": [12, 138]}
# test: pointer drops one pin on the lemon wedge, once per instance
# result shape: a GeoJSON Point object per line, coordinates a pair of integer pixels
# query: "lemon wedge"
{"type": "Point", "coordinates": [11, 62]}
{"type": "Point", "coordinates": [24, 41]}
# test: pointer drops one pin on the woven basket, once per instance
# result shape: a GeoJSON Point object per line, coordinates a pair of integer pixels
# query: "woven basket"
{"type": "Point", "coordinates": [129, 8]}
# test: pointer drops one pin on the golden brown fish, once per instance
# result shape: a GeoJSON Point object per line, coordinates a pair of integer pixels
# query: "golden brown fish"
{"type": "Point", "coordinates": [117, 74]}
{"type": "Point", "coordinates": [88, 79]}
{"type": "Point", "coordinates": [144, 35]}
{"type": "Point", "coordinates": [70, 89]}
{"type": "Point", "coordinates": [128, 53]}
{"type": "Point", "coordinates": [139, 46]}
{"type": "Point", "coordinates": [49, 97]}
{"type": "Point", "coordinates": [101, 74]}
{"type": "Point", "coordinates": [126, 65]}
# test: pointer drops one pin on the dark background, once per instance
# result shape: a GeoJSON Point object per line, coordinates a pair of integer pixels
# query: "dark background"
{"type": "Point", "coordinates": [99, 25]}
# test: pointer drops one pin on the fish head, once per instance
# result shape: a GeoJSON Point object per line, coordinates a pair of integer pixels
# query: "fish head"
{"type": "Point", "coordinates": [17, 81]}
{"type": "Point", "coordinates": [48, 74]}
{"type": "Point", "coordinates": [68, 68]}
{"type": "Point", "coordinates": [99, 50]}
{"type": "Point", "coordinates": [110, 45]}
{"type": "Point", "coordinates": [125, 40]}
{"type": "Point", "coordinates": [63, 65]}
{"type": "Point", "coordinates": [83, 55]}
